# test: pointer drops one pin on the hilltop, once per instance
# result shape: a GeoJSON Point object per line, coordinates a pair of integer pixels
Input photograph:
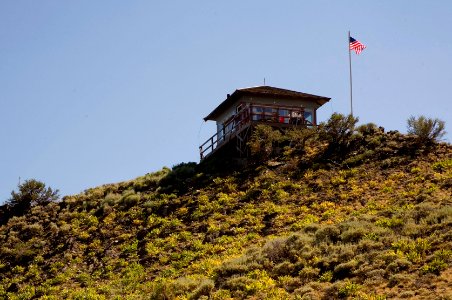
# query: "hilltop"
{"type": "Point", "coordinates": [337, 212]}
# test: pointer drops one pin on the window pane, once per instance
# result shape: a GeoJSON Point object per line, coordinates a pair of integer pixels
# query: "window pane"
{"type": "Point", "coordinates": [308, 116]}
{"type": "Point", "coordinates": [257, 109]}
{"type": "Point", "coordinates": [283, 112]}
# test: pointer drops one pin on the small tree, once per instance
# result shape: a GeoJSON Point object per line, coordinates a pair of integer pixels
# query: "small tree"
{"type": "Point", "coordinates": [30, 193]}
{"type": "Point", "coordinates": [338, 131]}
{"type": "Point", "coordinates": [263, 140]}
{"type": "Point", "coordinates": [298, 138]}
{"type": "Point", "coordinates": [427, 129]}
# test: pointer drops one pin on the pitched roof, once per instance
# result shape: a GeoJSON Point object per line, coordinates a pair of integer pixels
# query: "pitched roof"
{"type": "Point", "coordinates": [265, 91]}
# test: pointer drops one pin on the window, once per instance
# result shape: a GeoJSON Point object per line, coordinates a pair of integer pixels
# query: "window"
{"type": "Point", "coordinates": [283, 112]}
{"type": "Point", "coordinates": [308, 116]}
{"type": "Point", "coordinates": [283, 116]}
{"type": "Point", "coordinates": [229, 127]}
{"type": "Point", "coordinates": [220, 131]}
{"type": "Point", "coordinates": [269, 110]}
{"type": "Point", "coordinates": [270, 114]}
{"type": "Point", "coordinates": [257, 112]}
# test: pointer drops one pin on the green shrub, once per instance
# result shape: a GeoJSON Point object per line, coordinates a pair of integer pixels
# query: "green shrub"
{"type": "Point", "coordinates": [30, 193]}
{"type": "Point", "coordinates": [390, 223]}
{"type": "Point", "coordinates": [398, 279]}
{"type": "Point", "coordinates": [427, 129]}
{"type": "Point", "coordinates": [358, 159]}
{"type": "Point", "coordinates": [326, 276]}
{"type": "Point", "coordinates": [327, 234]}
{"type": "Point", "coordinates": [304, 292]}
{"type": "Point", "coordinates": [130, 199]}
{"type": "Point", "coordinates": [112, 198]}
{"type": "Point", "coordinates": [439, 262]}
{"type": "Point", "coordinates": [368, 129]}
{"type": "Point", "coordinates": [348, 288]}
{"type": "Point", "coordinates": [263, 141]}
{"type": "Point", "coordinates": [275, 250]}
{"type": "Point", "coordinates": [439, 215]}
{"type": "Point", "coordinates": [239, 284]}
{"type": "Point", "coordinates": [443, 165]}
{"type": "Point", "coordinates": [178, 180]}
{"type": "Point", "coordinates": [345, 269]}
{"type": "Point", "coordinates": [87, 294]}
{"type": "Point", "coordinates": [298, 139]}
{"type": "Point", "coordinates": [354, 231]}
{"type": "Point", "coordinates": [309, 273]}
{"type": "Point", "coordinates": [204, 288]}
{"type": "Point", "coordinates": [150, 181]}
{"type": "Point", "coordinates": [289, 283]}
{"type": "Point", "coordinates": [338, 132]}
{"type": "Point", "coordinates": [435, 266]}
{"type": "Point", "coordinates": [284, 268]}
{"type": "Point", "coordinates": [398, 265]}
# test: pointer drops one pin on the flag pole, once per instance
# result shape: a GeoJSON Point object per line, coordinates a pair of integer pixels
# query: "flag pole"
{"type": "Point", "coordinates": [350, 65]}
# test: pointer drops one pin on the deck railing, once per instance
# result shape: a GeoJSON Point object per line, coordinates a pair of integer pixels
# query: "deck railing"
{"type": "Point", "coordinates": [250, 113]}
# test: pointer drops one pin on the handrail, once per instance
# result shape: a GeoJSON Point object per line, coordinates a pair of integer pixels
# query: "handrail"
{"type": "Point", "coordinates": [238, 120]}
{"type": "Point", "coordinates": [254, 113]}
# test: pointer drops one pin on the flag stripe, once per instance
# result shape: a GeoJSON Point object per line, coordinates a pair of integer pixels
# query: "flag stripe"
{"type": "Point", "coordinates": [357, 46]}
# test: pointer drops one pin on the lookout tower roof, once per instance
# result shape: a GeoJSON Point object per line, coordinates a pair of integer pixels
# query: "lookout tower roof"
{"type": "Point", "coordinates": [265, 92]}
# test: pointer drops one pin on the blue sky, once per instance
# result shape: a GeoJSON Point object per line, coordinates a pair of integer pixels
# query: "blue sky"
{"type": "Point", "coordinates": [94, 92]}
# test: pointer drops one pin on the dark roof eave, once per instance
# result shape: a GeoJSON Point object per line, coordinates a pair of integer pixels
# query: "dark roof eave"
{"type": "Point", "coordinates": [320, 100]}
{"type": "Point", "coordinates": [226, 102]}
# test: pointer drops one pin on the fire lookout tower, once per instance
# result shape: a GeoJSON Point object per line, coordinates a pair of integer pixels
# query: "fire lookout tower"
{"type": "Point", "coordinates": [244, 108]}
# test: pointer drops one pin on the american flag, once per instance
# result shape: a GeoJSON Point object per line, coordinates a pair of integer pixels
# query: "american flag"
{"type": "Point", "coordinates": [356, 45]}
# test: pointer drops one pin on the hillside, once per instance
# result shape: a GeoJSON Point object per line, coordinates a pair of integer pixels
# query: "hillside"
{"type": "Point", "coordinates": [331, 213]}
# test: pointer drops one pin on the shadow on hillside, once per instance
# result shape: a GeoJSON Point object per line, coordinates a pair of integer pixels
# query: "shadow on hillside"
{"type": "Point", "coordinates": [179, 179]}
{"type": "Point", "coordinates": [184, 177]}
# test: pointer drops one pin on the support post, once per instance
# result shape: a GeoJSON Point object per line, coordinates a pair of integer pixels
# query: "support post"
{"type": "Point", "coordinates": [350, 65]}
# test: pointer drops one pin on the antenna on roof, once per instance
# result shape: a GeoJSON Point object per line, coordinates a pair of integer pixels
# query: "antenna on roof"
{"type": "Point", "coordinates": [264, 80]}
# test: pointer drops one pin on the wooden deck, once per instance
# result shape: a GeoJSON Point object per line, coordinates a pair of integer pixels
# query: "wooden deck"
{"type": "Point", "coordinates": [239, 126]}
